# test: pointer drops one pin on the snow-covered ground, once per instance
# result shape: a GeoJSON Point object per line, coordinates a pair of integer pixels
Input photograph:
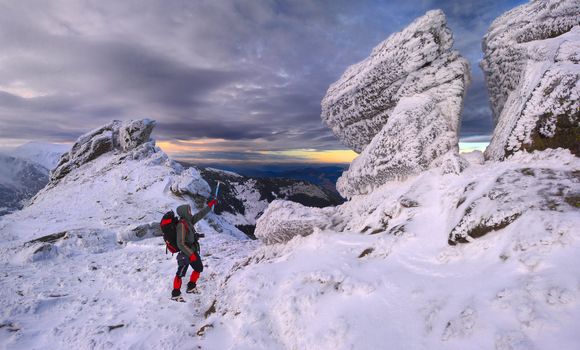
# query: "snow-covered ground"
{"type": "Point", "coordinates": [389, 287]}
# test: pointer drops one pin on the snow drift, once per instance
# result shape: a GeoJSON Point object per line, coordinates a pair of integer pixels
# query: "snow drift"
{"type": "Point", "coordinates": [532, 69]}
{"type": "Point", "coordinates": [400, 108]}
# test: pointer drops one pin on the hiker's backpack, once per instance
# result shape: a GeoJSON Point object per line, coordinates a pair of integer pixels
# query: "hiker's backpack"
{"type": "Point", "coordinates": [169, 227]}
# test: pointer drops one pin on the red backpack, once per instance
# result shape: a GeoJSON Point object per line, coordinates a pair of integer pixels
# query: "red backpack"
{"type": "Point", "coordinates": [169, 228]}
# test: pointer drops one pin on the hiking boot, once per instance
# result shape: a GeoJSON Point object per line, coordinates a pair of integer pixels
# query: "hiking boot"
{"type": "Point", "coordinates": [176, 296]}
{"type": "Point", "coordinates": [191, 287]}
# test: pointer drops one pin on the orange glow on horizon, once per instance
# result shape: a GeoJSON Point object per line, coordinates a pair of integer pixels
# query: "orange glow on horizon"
{"type": "Point", "coordinates": [197, 147]}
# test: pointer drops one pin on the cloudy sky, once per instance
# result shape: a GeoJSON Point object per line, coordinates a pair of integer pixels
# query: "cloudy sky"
{"type": "Point", "coordinates": [227, 80]}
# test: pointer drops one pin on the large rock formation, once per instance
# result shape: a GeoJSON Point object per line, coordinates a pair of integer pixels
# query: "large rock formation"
{"type": "Point", "coordinates": [401, 106]}
{"type": "Point", "coordinates": [532, 69]}
{"type": "Point", "coordinates": [115, 135]}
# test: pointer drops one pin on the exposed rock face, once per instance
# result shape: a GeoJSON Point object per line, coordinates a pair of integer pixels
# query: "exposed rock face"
{"type": "Point", "coordinates": [532, 69]}
{"type": "Point", "coordinates": [401, 106]}
{"type": "Point", "coordinates": [284, 220]}
{"type": "Point", "coordinates": [115, 135]}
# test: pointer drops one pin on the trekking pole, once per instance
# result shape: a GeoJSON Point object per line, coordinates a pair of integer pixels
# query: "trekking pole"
{"type": "Point", "coordinates": [217, 190]}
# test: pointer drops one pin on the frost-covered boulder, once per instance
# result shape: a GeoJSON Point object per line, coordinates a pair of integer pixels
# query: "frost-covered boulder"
{"type": "Point", "coordinates": [416, 60]}
{"type": "Point", "coordinates": [532, 69]}
{"type": "Point", "coordinates": [115, 135]}
{"type": "Point", "coordinates": [190, 183]}
{"type": "Point", "coordinates": [285, 219]}
{"type": "Point", "coordinates": [414, 137]}
{"type": "Point", "coordinates": [399, 108]}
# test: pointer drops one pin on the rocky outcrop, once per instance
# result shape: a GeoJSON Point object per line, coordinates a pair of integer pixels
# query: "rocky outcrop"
{"type": "Point", "coordinates": [284, 220]}
{"type": "Point", "coordinates": [514, 193]}
{"type": "Point", "coordinates": [400, 108]}
{"type": "Point", "coordinates": [532, 69]}
{"type": "Point", "coordinates": [113, 136]}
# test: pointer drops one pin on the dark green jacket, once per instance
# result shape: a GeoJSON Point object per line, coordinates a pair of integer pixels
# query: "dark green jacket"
{"type": "Point", "coordinates": [186, 234]}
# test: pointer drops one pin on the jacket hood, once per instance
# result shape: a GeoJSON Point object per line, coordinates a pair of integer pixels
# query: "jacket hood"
{"type": "Point", "coordinates": [184, 211]}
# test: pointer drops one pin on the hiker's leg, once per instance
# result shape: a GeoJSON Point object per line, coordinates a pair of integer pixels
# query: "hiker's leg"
{"type": "Point", "coordinates": [197, 266]}
{"type": "Point", "coordinates": [182, 265]}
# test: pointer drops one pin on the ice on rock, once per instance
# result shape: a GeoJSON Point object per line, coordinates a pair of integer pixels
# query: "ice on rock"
{"type": "Point", "coordinates": [532, 69]}
{"type": "Point", "coordinates": [283, 220]}
{"type": "Point", "coordinates": [400, 108]}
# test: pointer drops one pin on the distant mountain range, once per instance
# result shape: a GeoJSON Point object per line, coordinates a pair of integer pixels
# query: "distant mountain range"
{"type": "Point", "coordinates": [24, 171]}
{"type": "Point", "coordinates": [321, 175]}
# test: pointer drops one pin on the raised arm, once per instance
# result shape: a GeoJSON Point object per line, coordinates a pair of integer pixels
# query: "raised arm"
{"type": "Point", "coordinates": [200, 215]}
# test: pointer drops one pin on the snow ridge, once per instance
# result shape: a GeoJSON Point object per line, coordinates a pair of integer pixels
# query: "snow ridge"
{"type": "Point", "coordinates": [113, 136]}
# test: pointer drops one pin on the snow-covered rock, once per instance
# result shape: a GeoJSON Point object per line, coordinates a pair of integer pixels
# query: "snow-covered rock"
{"type": "Point", "coordinates": [400, 108]}
{"type": "Point", "coordinates": [190, 183]}
{"type": "Point", "coordinates": [532, 69]}
{"type": "Point", "coordinates": [284, 220]}
{"type": "Point", "coordinates": [414, 138]}
{"type": "Point", "coordinates": [115, 135]}
{"type": "Point", "coordinates": [513, 193]}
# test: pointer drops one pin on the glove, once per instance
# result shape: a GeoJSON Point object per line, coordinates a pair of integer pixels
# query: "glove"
{"type": "Point", "coordinates": [212, 202]}
{"type": "Point", "coordinates": [192, 257]}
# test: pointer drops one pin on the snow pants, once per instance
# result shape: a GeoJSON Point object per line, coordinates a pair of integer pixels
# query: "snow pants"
{"type": "Point", "coordinates": [183, 264]}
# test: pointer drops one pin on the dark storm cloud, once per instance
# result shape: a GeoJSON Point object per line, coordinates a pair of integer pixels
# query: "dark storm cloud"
{"type": "Point", "coordinates": [234, 70]}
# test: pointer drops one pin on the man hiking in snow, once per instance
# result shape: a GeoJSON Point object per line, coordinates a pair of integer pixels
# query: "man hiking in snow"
{"type": "Point", "coordinates": [188, 245]}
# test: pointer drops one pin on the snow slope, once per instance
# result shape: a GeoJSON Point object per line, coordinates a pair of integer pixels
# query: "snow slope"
{"type": "Point", "coordinates": [98, 262]}
{"type": "Point", "coordinates": [380, 273]}
{"type": "Point", "coordinates": [83, 267]}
